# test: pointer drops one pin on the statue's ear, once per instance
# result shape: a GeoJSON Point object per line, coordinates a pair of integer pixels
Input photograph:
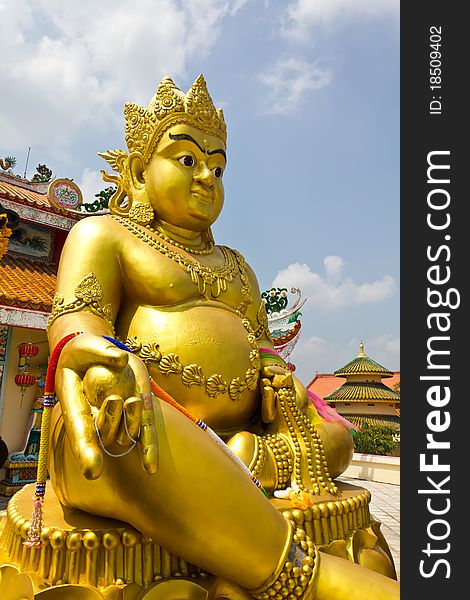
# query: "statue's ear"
{"type": "Point", "coordinates": [136, 171]}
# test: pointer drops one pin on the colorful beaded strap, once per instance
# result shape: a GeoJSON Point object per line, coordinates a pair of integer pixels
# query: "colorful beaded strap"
{"type": "Point", "coordinates": [34, 536]}
{"type": "Point", "coordinates": [160, 393]}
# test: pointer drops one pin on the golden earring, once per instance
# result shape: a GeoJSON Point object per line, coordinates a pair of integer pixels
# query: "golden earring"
{"type": "Point", "coordinates": [141, 213]}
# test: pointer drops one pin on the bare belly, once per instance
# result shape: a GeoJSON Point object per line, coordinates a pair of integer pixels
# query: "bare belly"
{"type": "Point", "coordinates": [201, 355]}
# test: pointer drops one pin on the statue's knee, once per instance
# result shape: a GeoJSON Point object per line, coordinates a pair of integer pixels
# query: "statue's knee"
{"type": "Point", "coordinates": [338, 445]}
{"type": "Point", "coordinates": [244, 445]}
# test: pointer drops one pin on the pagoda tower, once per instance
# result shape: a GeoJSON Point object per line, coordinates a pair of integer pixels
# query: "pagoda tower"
{"type": "Point", "coordinates": [363, 397]}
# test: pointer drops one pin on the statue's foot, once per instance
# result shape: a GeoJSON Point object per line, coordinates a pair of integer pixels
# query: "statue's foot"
{"type": "Point", "coordinates": [294, 577]}
{"type": "Point", "coordinates": [269, 458]}
{"type": "Point", "coordinates": [319, 577]}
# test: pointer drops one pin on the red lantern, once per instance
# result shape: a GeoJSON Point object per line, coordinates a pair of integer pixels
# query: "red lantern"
{"type": "Point", "coordinates": [24, 380]}
{"type": "Point", "coordinates": [26, 350]}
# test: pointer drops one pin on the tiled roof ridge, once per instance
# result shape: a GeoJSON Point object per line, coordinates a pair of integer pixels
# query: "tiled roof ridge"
{"type": "Point", "coordinates": [26, 282]}
{"type": "Point", "coordinates": [40, 187]}
{"type": "Point", "coordinates": [363, 365]}
{"type": "Point", "coordinates": [361, 391]}
{"type": "Point", "coordinates": [33, 195]}
{"type": "Point", "coordinates": [21, 259]}
{"type": "Point", "coordinates": [357, 419]}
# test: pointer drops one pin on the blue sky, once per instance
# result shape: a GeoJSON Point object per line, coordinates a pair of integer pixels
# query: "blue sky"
{"type": "Point", "coordinates": [310, 91]}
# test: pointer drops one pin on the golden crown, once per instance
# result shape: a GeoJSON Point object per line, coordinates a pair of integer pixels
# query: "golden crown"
{"type": "Point", "coordinates": [170, 106]}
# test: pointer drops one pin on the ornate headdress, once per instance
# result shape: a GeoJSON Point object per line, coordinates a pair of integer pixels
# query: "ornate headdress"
{"type": "Point", "coordinates": [146, 126]}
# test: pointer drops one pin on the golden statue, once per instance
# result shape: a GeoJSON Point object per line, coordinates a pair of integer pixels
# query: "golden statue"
{"type": "Point", "coordinates": [186, 460]}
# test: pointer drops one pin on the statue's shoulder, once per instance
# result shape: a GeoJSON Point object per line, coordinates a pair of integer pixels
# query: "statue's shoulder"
{"type": "Point", "coordinates": [232, 251]}
{"type": "Point", "coordinates": [244, 266]}
{"type": "Point", "coordinates": [96, 228]}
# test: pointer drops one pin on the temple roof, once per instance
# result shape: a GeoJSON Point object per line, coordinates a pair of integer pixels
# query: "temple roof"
{"type": "Point", "coordinates": [30, 194]}
{"type": "Point", "coordinates": [323, 384]}
{"type": "Point", "coordinates": [363, 365]}
{"type": "Point", "coordinates": [388, 420]}
{"type": "Point", "coordinates": [26, 283]}
{"type": "Point", "coordinates": [363, 392]}
{"type": "Point", "coordinates": [24, 195]}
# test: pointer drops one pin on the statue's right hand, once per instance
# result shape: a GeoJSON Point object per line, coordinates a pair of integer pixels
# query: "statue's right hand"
{"type": "Point", "coordinates": [105, 399]}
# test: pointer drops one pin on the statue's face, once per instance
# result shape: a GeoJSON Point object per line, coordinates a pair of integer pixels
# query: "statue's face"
{"type": "Point", "coordinates": [184, 178]}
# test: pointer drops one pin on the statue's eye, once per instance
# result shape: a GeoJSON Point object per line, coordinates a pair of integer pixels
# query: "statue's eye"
{"type": "Point", "coordinates": [218, 172]}
{"type": "Point", "coordinates": [187, 161]}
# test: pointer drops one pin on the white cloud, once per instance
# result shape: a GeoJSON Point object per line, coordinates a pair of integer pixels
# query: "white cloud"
{"type": "Point", "coordinates": [311, 355]}
{"type": "Point", "coordinates": [66, 64]}
{"type": "Point", "coordinates": [333, 290]}
{"type": "Point", "coordinates": [334, 268]}
{"type": "Point", "coordinates": [91, 182]}
{"type": "Point", "coordinates": [383, 345]}
{"type": "Point", "coordinates": [288, 81]}
{"type": "Point", "coordinates": [237, 5]}
{"type": "Point", "coordinates": [300, 16]}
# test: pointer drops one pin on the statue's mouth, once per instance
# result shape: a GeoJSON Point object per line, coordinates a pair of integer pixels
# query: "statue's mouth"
{"type": "Point", "coordinates": [204, 196]}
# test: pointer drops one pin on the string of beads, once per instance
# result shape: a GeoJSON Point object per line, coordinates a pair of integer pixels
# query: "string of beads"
{"type": "Point", "coordinates": [295, 575]}
{"type": "Point", "coordinates": [169, 240]}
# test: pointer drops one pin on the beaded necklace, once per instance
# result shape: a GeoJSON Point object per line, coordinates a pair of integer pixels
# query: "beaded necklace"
{"type": "Point", "coordinates": [169, 240]}
{"type": "Point", "coordinates": [203, 276]}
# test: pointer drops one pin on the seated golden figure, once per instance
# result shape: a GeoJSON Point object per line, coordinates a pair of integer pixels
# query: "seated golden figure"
{"type": "Point", "coordinates": [127, 446]}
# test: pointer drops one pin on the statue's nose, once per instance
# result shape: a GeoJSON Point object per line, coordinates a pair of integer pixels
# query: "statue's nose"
{"type": "Point", "coordinates": [203, 174]}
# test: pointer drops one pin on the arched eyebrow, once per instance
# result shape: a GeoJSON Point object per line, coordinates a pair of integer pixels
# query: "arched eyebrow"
{"type": "Point", "coordinates": [185, 136]}
{"type": "Point", "coordinates": [218, 151]}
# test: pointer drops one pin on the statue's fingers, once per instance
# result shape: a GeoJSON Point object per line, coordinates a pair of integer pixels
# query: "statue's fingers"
{"type": "Point", "coordinates": [148, 437]}
{"type": "Point", "coordinates": [265, 382]}
{"type": "Point", "coordinates": [148, 441]}
{"type": "Point", "coordinates": [86, 350]}
{"type": "Point", "coordinates": [79, 423]}
{"type": "Point", "coordinates": [100, 382]}
{"type": "Point", "coordinates": [268, 405]}
{"type": "Point", "coordinates": [108, 419]}
{"type": "Point", "coordinates": [268, 372]}
{"type": "Point", "coordinates": [129, 429]}
{"type": "Point", "coordinates": [283, 380]}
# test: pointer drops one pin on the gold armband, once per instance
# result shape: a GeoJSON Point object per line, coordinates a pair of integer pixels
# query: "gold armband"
{"type": "Point", "coordinates": [88, 294]}
{"type": "Point", "coordinates": [295, 573]}
{"type": "Point", "coordinates": [262, 329]}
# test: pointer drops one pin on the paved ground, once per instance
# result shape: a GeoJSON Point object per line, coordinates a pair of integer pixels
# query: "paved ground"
{"type": "Point", "coordinates": [385, 506]}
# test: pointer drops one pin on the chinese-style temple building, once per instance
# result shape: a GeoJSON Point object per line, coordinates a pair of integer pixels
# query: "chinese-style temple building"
{"type": "Point", "coordinates": [33, 229]}
{"type": "Point", "coordinates": [357, 393]}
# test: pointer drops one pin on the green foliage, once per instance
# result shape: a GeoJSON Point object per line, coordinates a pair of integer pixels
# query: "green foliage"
{"type": "Point", "coordinates": [375, 439]}
{"type": "Point", "coordinates": [43, 174]}
{"type": "Point", "coordinates": [105, 195]}
{"type": "Point", "coordinates": [9, 162]}
{"type": "Point", "coordinates": [102, 202]}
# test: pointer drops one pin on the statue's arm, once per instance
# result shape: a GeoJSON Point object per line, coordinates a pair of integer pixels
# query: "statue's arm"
{"type": "Point", "coordinates": [101, 388]}
{"type": "Point", "coordinates": [88, 291]}
{"type": "Point", "coordinates": [256, 312]}
{"type": "Point", "coordinates": [274, 371]}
